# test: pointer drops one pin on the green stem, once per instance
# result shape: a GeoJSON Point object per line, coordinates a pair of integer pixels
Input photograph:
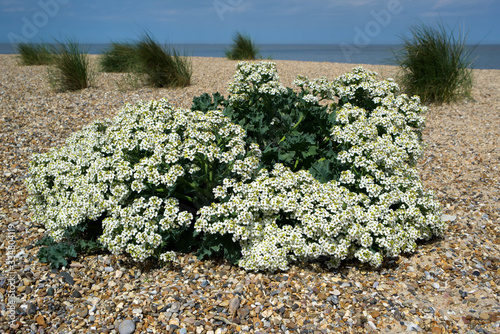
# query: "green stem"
{"type": "Point", "coordinates": [182, 196]}
{"type": "Point", "coordinates": [300, 120]}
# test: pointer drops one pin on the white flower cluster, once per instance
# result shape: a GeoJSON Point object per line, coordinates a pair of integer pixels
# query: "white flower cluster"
{"type": "Point", "coordinates": [359, 80]}
{"type": "Point", "coordinates": [317, 217]}
{"type": "Point", "coordinates": [377, 208]}
{"type": "Point", "coordinates": [254, 77]}
{"type": "Point", "coordinates": [126, 169]}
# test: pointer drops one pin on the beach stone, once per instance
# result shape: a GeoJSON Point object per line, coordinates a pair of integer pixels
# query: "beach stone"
{"type": "Point", "coordinates": [50, 291]}
{"type": "Point", "coordinates": [436, 330]}
{"type": "Point", "coordinates": [76, 294]}
{"type": "Point", "coordinates": [372, 325]}
{"type": "Point", "coordinates": [175, 307]}
{"type": "Point", "coordinates": [413, 327]}
{"type": "Point", "coordinates": [76, 265]}
{"type": "Point", "coordinates": [243, 312]}
{"type": "Point", "coordinates": [332, 299]}
{"type": "Point", "coordinates": [40, 320]}
{"type": "Point", "coordinates": [67, 277]}
{"type": "Point", "coordinates": [238, 288]}
{"type": "Point", "coordinates": [126, 327]}
{"type": "Point", "coordinates": [82, 312]}
{"type": "Point", "coordinates": [448, 218]}
{"type": "Point", "coordinates": [31, 308]}
{"type": "Point", "coordinates": [234, 304]}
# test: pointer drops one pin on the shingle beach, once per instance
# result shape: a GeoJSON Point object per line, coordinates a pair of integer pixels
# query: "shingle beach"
{"type": "Point", "coordinates": [449, 285]}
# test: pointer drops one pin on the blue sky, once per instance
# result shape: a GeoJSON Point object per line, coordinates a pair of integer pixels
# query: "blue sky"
{"type": "Point", "coordinates": [266, 21]}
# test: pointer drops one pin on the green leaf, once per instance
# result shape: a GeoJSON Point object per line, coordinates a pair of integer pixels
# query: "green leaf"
{"type": "Point", "coordinates": [313, 150]}
{"type": "Point", "coordinates": [56, 255]}
{"type": "Point", "coordinates": [205, 102]}
{"type": "Point", "coordinates": [321, 170]}
{"type": "Point", "coordinates": [286, 157]}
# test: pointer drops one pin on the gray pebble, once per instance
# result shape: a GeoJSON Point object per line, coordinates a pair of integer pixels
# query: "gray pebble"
{"type": "Point", "coordinates": [448, 218]}
{"type": "Point", "coordinates": [82, 312]}
{"type": "Point", "coordinates": [31, 308]}
{"type": "Point", "coordinates": [20, 254]}
{"type": "Point", "coordinates": [413, 327]}
{"type": "Point", "coordinates": [67, 278]}
{"type": "Point", "coordinates": [175, 307]}
{"type": "Point", "coordinates": [76, 294]}
{"type": "Point", "coordinates": [372, 325]}
{"type": "Point", "coordinates": [126, 327]}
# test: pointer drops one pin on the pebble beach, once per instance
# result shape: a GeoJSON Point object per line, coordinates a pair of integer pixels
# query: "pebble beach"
{"type": "Point", "coordinates": [449, 285]}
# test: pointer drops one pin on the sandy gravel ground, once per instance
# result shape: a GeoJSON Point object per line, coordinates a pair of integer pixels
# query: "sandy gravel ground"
{"type": "Point", "coordinates": [450, 285]}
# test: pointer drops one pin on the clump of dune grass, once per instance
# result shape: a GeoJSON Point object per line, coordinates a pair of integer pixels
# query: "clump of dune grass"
{"type": "Point", "coordinates": [71, 68]}
{"type": "Point", "coordinates": [162, 66]}
{"type": "Point", "coordinates": [119, 58]}
{"type": "Point", "coordinates": [34, 53]}
{"type": "Point", "coordinates": [243, 48]}
{"type": "Point", "coordinates": [436, 64]}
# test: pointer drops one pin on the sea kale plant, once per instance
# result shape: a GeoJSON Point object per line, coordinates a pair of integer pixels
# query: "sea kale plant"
{"type": "Point", "coordinates": [357, 196]}
{"type": "Point", "coordinates": [142, 175]}
{"type": "Point", "coordinates": [266, 177]}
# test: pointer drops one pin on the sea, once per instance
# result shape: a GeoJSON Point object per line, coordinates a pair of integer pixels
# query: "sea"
{"type": "Point", "coordinates": [486, 56]}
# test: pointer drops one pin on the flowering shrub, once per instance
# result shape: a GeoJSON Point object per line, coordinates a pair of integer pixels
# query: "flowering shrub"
{"type": "Point", "coordinates": [146, 171]}
{"type": "Point", "coordinates": [266, 177]}
{"type": "Point", "coordinates": [373, 206]}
